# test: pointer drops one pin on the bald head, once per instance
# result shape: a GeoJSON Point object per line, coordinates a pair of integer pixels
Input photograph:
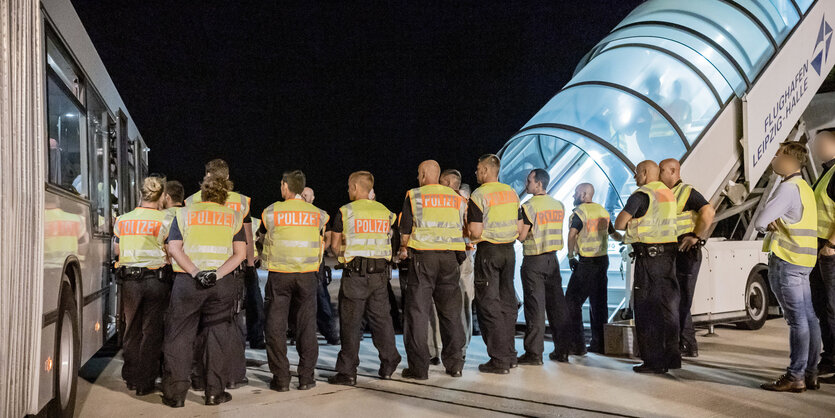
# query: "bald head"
{"type": "Point", "coordinates": [646, 172]}
{"type": "Point", "coordinates": [583, 193]}
{"type": "Point", "coordinates": [429, 172]}
{"type": "Point", "coordinates": [307, 195]}
{"type": "Point", "coordinates": [670, 171]}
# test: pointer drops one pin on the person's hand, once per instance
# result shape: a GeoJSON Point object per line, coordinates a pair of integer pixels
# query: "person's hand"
{"type": "Point", "coordinates": [403, 254]}
{"type": "Point", "coordinates": [688, 242]}
{"type": "Point", "coordinates": [772, 226]}
{"type": "Point", "coordinates": [207, 278]}
{"type": "Point", "coordinates": [827, 251]}
{"type": "Point", "coordinates": [573, 263]}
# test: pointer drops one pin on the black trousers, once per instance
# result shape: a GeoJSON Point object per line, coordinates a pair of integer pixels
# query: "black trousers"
{"type": "Point", "coordinates": [254, 308]}
{"type": "Point", "coordinates": [656, 299]}
{"type": "Point", "coordinates": [361, 295]}
{"type": "Point", "coordinates": [433, 276]}
{"type": "Point", "coordinates": [325, 320]}
{"type": "Point", "coordinates": [191, 305]}
{"type": "Point", "coordinates": [822, 282]}
{"type": "Point", "coordinates": [236, 361]}
{"type": "Point", "coordinates": [144, 304]}
{"type": "Point", "coordinates": [496, 300]}
{"type": "Point", "coordinates": [687, 272]}
{"type": "Point", "coordinates": [542, 287]}
{"type": "Point", "coordinates": [282, 290]}
{"type": "Point", "coordinates": [589, 280]}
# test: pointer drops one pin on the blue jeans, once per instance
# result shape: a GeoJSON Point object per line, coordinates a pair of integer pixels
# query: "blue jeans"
{"type": "Point", "coordinates": [790, 284]}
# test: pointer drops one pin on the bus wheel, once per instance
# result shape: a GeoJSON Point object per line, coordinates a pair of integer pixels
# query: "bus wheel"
{"type": "Point", "coordinates": [756, 302]}
{"type": "Point", "coordinates": [67, 354]}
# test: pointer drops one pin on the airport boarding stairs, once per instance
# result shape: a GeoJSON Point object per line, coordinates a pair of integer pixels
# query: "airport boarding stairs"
{"type": "Point", "coordinates": [717, 84]}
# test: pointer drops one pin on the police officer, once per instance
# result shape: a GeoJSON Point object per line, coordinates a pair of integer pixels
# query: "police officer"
{"type": "Point", "coordinates": [366, 225]}
{"type": "Point", "coordinates": [649, 218]}
{"type": "Point", "coordinates": [140, 244]}
{"type": "Point", "coordinates": [294, 230]}
{"type": "Point", "coordinates": [174, 196]}
{"type": "Point", "coordinates": [695, 215]}
{"type": "Point", "coordinates": [540, 232]}
{"type": "Point", "coordinates": [492, 217]}
{"type": "Point", "coordinates": [325, 321]}
{"type": "Point", "coordinates": [246, 278]}
{"type": "Point", "coordinates": [822, 278]}
{"type": "Point", "coordinates": [589, 225]}
{"type": "Point", "coordinates": [432, 238]}
{"type": "Point", "coordinates": [208, 244]}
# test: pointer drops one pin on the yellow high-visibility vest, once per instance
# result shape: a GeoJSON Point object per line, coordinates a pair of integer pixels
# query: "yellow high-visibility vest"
{"type": "Point", "coordinates": [686, 220]}
{"type": "Point", "coordinates": [366, 225]}
{"type": "Point", "coordinates": [825, 205]}
{"type": "Point", "coordinates": [658, 225]}
{"type": "Point", "coordinates": [294, 230]}
{"type": "Point", "coordinates": [546, 215]}
{"type": "Point", "coordinates": [797, 243]}
{"type": "Point", "coordinates": [256, 225]}
{"type": "Point", "coordinates": [234, 200]}
{"type": "Point", "coordinates": [500, 206]}
{"type": "Point", "coordinates": [208, 229]}
{"type": "Point", "coordinates": [142, 234]}
{"type": "Point", "coordinates": [62, 233]}
{"type": "Point", "coordinates": [437, 218]}
{"type": "Point", "coordinates": [593, 239]}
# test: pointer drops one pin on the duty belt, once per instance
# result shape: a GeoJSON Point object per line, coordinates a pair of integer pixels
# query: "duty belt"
{"type": "Point", "coordinates": [362, 265]}
{"type": "Point", "coordinates": [139, 273]}
{"type": "Point", "coordinates": [652, 250]}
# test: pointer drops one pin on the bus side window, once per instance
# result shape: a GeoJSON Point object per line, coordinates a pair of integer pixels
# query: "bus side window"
{"type": "Point", "coordinates": [99, 132]}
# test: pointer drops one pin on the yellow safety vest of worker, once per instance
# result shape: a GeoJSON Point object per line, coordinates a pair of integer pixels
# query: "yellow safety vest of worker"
{"type": "Point", "coordinates": [825, 205]}
{"type": "Point", "coordinates": [438, 218]}
{"type": "Point", "coordinates": [62, 233]}
{"type": "Point", "coordinates": [366, 225]}
{"type": "Point", "coordinates": [593, 239]}
{"type": "Point", "coordinates": [294, 230]}
{"type": "Point", "coordinates": [142, 234]}
{"type": "Point", "coordinates": [208, 229]}
{"type": "Point", "coordinates": [686, 220]}
{"type": "Point", "coordinates": [499, 205]}
{"type": "Point", "coordinates": [546, 215]}
{"type": "Point", "coordinates": [256, 225]}
{"type": "Point", "coordinates": [658, 225]}
{"type": "Point", "coordinates": [797, 243]}
{"type": "Point", "coordinates": [234, 200]}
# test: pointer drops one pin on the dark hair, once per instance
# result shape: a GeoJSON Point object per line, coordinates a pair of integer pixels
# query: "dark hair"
{"type": "Point", "coordinates": [829, 130]}
{"type": "Point", "coordinates": [295, 181]}
{"type": "Point", "coordinates": [217, 168]}
{"type": "Point", "coordinates": [541, 176]}
{"type": "Point", "coordinates": [175, 189]}
{"type": "Point", "coordinates": [794, 149]}
{"type": "Point", "coordinates": [215, 189]}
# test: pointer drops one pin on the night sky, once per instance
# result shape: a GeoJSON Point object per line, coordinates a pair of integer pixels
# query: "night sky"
{"type": "Point", "coordinates": [334, 88]}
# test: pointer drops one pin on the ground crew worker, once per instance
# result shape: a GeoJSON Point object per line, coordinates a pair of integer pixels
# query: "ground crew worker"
{"type": "Point", "coordinates": [294, 230]}
{"type": "Point", "coordinates": [790, 219]}
{"type": "Point", "coordinates": [590, 225]}
{"type": "Point", "coordinates": [492, 216]}
{"type": "Point", "coordinates": [649, 218]}
{"type": "Point", "coordinates": [208, 243]}
{"type": "Point", "coordinates": [822, 278]}
{"type": "Point", "coordinates": [367, 227]}
{"type": "Point", "coordinates": [140, 244]}
{"type": "Point", "coordinates": [431, 228]}
{"type": "Point", "coordinates": [247, 278]}
{"type": "Point", "coordinates": [540, 232]}
{"type": "Point", "coordinates": [695, 215]}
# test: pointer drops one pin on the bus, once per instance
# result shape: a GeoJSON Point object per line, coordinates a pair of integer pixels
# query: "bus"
{"type": "Point", "coordinates": [72, 160]}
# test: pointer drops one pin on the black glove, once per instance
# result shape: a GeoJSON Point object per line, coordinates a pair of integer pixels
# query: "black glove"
{"type": "Point", "coordinates": [207, 278]}
{"type": "Point", "coordinates": [460, 256]}
{"type": "Point", "coordinates": [573, 263]}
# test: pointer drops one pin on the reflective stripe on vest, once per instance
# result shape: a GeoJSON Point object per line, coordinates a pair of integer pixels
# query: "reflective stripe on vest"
{"type": "Point", "coordinates": [437, 218]}
{"type": "Point", "coordinates": [825, 205]}
{"type": "Point", "coordinates": [546, 214]}
{"type": "Point", "coordinates": [686, 220]}
{"type": "Point", "coordinates": [593, 239]}
{"type": "Point", "coordinates": [142, 233]}
{"type": "Point", "coordinates": [797, 243]}
{"type": "Point", "coordinates": [294, 232]}
{"type": "Point", "coordinates": [499, 204]}
{"type": "Point", "coordinates": [658, 225]}
{"type": "Point", "coordinates": [208, 229]}
{"type": "Point", "coordinates": [366, 225]}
